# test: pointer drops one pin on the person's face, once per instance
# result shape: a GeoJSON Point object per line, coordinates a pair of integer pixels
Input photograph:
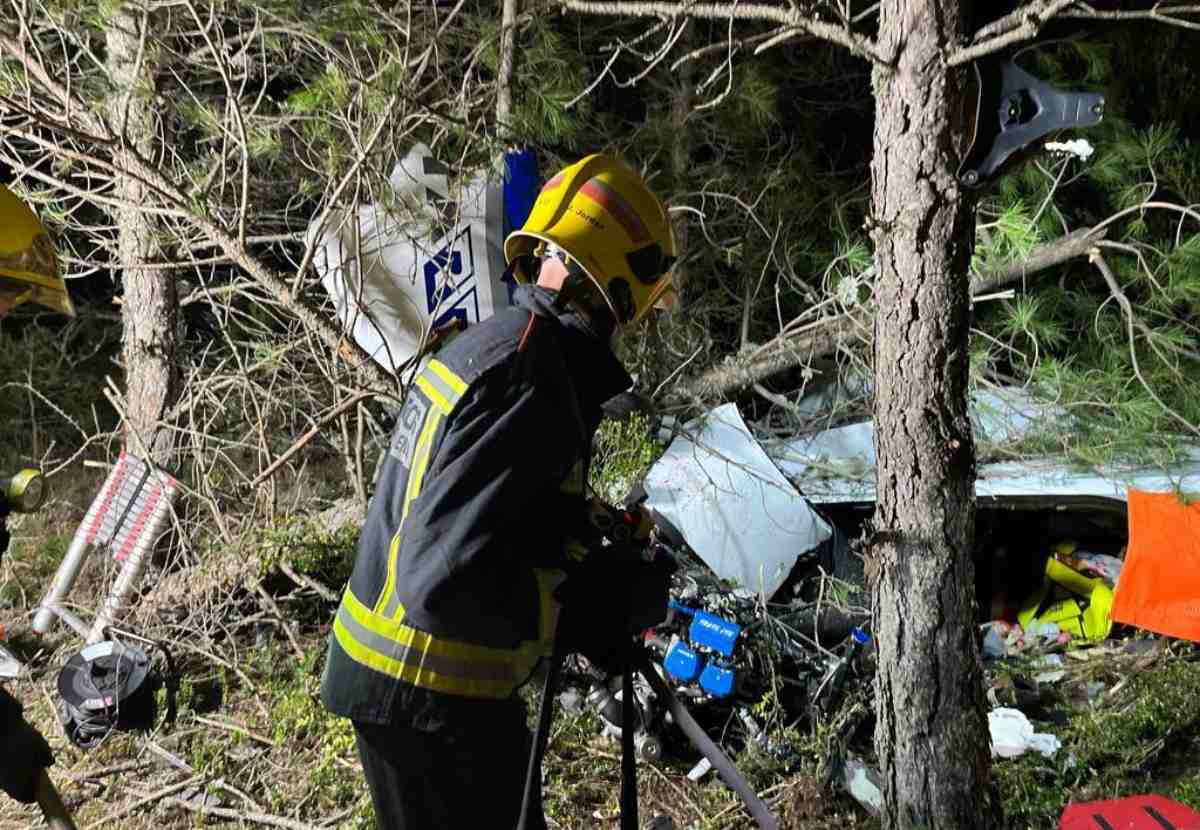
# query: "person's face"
{"type": "Point", "coordinates": [552, 273]}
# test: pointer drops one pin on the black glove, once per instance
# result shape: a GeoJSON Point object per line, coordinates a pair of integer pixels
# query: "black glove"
{"type": "Point", "coordinates": [612, 596]}
{"type": "Point", "coordinates": [26, 752]}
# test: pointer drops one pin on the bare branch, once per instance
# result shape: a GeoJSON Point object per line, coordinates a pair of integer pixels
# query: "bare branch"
{"type": "Point", "coordinates": [1025, 23]}
{"type": "Point", "coordinates": [1016, 27]}
{"type": "Point", "coordinates": [823, 337]}
{"type": "Point", "coordinates": [858, 45]}
{"type": "Point", "coordinates": [1132, 321]}
{"type": "Point", "coordinates": [1168, 15]}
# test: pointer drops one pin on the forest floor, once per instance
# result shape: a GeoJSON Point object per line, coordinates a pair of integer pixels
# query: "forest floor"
{"type": "Point", "coordinates": [250, 745]}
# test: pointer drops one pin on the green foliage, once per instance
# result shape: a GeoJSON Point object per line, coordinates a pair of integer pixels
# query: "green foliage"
{"type": "Point", "coordinates": [1013, 235]}
{"type": "Point", "coordinates": [300, 722]}
{"type": "Point", "coordinates": [1126, 746]}
{"type": "Point", "coordinates": [753, 95]}
{"type": "Point", "coordinates": [547, 78]}
{"type": "Point", "coordinates": [621, 454]}
{"type": "Point", "coordinates": [34, 557]}
{"type": "Point", "coordinates": [330, 90]}
{"type": "Point", "coordinates": [309, 548]}
{"type": "Point", "coordinates": [1069, 337]}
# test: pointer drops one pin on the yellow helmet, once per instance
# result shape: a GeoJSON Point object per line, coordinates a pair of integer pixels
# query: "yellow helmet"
{"type": "Point", "coordinates": [602, 214]}
{"type": "Point", "coordinates": [28, 265]}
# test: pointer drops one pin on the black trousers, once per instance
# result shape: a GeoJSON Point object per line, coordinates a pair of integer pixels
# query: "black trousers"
{"type": "Point", "coordinates": [449, 779]}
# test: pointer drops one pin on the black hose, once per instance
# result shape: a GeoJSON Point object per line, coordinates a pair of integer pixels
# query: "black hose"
{"type": "Point", "coordinates": [629, 802]}
{"type": "Point", "coordinates": [720, 761]}
{"type": "Point", "coordinates": [530, 801]}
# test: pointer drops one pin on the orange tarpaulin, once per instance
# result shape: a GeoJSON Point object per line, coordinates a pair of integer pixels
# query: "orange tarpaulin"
{"type": "Point", "coordinates": [1159, 587]}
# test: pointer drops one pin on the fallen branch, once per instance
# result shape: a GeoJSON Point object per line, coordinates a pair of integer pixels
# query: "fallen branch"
{"type": "Point", "coordinates": [826, 337]}
{"type": "Point", "coordinates": [324, 591]}
{"type": "Point", "coordinates": [1071, 246]}
{"type": "Point", "coordinates": [104, 772]}
{"type": "Point", "coordinates": [234, 727]}
{"type": "Point", "coordinates": [237, 815]}
{"type": "Point", "coordinates": [142, 802]}
{"type": "Point", "coordinates": [306, 437]}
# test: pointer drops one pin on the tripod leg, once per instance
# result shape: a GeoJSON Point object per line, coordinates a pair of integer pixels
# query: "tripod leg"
{"type": "Point", "coordinates": [533, 773]}
{"type": "Point", "coordinates": [52, 806]}
{"type": "Point", "coordinates": [629, 799]}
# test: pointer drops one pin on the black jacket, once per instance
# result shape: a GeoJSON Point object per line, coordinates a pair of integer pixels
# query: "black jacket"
{"type": "Point", "coordinates": [496, 436]}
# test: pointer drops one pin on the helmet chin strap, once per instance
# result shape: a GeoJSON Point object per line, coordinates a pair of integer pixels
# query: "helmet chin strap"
{"type": "Point", "coordinates": [580, 295]}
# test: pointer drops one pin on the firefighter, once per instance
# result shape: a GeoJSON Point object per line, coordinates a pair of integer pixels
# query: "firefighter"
{"type": "Point", "coordinates": [28, 274]}
{"type": "Point", "coordinates": [451, 603]}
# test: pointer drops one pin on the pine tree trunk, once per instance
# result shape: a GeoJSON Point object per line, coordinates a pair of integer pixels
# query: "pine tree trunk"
{"type": "Point", "coordinates": [931, 734]}
{"type": "Point", "coordinates": [504, 77]}
{"type": "Point", "coordinates": [682, 94]}
{"type": "Point", "coordinates": [149, 306]}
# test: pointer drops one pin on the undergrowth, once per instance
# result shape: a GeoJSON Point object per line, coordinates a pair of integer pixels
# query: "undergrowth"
{"type": "Point", "coordinates": [1141, 739]}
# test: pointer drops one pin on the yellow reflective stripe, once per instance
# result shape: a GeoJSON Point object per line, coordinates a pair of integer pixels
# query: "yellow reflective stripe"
{"type": "Point", "coordinates": [388, 603]}
{"type": "Point", "coordinates": [417, 674]}
{"type": "Point", "coordinates": [416, 476]}
{"type": "Point", "coordinates": [431, 391]}
{"type": "Point", "coordinates": [389, 586]}
{"type": "Point", "coordinates": [457, 385]}
{"type": "Point", "coordinates": [441, 385]}
{"type": "Point", "coordinates": [406, 635]}
{"type": "Point", "coordinates": [419, 658]}
{"type": "Point", "coordinates": [548, 579]}
{"type": "Point", "coordinates": [389, 600]}
{"type": "Point", "coordinates": [444, 389]}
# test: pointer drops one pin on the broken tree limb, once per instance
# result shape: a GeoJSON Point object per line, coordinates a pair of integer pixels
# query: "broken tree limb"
{"type": "Point", "coordinates": [824, 338]}
{"type": "Point", "coordinates": [1065, 248]}
{"type": "Point", "coordinates": [783, 353]}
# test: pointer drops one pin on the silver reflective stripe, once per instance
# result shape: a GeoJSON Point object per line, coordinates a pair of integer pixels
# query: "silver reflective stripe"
{"type": "Point", "coordinates": [499, 672]}
{"type": "Point", "coordinates": [444, 389]}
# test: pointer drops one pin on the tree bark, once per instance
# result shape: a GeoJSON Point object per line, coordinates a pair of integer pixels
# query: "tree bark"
{"type": "Point", "coordinates": [149, 307]}
{"type": "Point", "coordinates": [931, 734]}
{"type": "Point", "coordinates": [683, 91]}
{"type": "Point", "coordinates": [508, 39]}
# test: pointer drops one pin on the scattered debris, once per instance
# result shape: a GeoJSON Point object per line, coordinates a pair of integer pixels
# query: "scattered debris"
{"type": "Point", "coordinates": [1013, 735]}
{"type": "Point", "coordinates": [862, 783]}
{"type": "Point", "coordinates": [732, 504]}
{"type": "Point", "coordinates": [430, 255]}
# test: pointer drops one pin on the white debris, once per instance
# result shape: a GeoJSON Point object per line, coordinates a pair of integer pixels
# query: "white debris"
{"type": "Point", "coordinates": [1013, 735]}
{"type": "Point", "coordinates": [429, 253]}
{"type": "Point", "coordinates": [1080, 148]}
{"type": "Point", "coordinates": [732, 505]}
{"type": "Point", "coordinates": [862, 783]}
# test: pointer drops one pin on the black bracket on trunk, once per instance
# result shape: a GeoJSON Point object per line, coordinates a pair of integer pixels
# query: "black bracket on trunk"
{"type": "Point", "coordinates": [1013, 109]}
